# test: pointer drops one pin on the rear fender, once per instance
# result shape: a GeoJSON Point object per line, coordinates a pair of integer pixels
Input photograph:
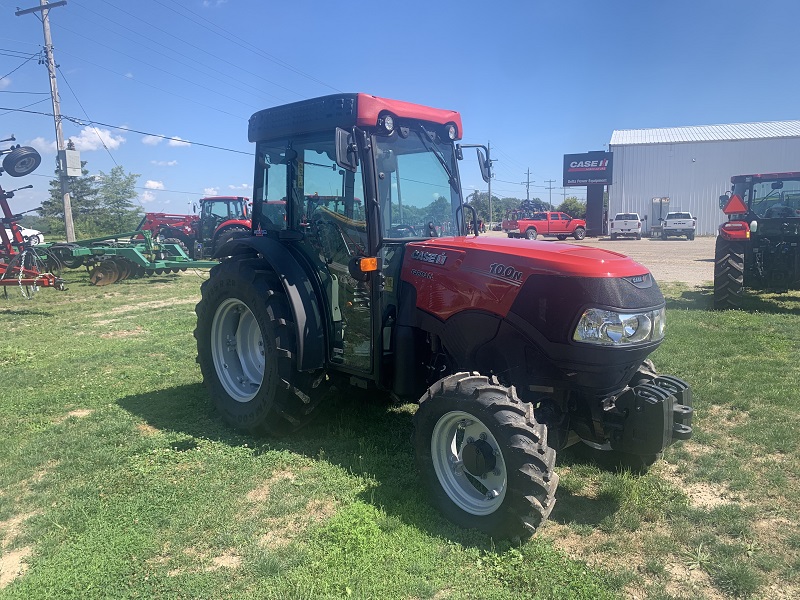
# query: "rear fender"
{"type": "Point", "coordinates": [735, 231]}
{"type": "Point", "coordinates": [309, 327]}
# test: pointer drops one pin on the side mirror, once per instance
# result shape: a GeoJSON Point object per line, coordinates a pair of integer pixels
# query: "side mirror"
{"type": "Point", "coordinates": [459, 152]}
{"type": "Point", "coordinates": [777, 185]}
{"type": "Point", "coordinates": [484, 165]}
{"type": "Point", "coordinates": [346, 156]}
{"type": "Point", "coordinates": [723, 200]}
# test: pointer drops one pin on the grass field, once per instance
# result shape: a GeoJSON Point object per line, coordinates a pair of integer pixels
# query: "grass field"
{"type": "Point", "coordinates": [117, 479]}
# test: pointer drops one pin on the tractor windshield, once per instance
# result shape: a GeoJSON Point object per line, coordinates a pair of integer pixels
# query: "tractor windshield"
{"type": "Point", "coordinates": [417, 184]}
{"type": "Point", "coordinates": [772, 199]}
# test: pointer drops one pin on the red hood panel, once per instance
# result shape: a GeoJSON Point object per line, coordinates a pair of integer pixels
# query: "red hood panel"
{"type": "Point", "coordinates": [460, 273]}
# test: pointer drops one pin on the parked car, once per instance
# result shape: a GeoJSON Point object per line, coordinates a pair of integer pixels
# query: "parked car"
{"type": "Point", "coordinates": [679, 223]}
{"type": "Point", "coordinates": [556, 224]}
{"type": "Point", "coordinates": [32, 236]}
{"type": "Point", "coordinates": [626, 225]}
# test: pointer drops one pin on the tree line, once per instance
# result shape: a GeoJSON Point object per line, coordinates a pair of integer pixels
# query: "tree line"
{"type": "Point", "coordinates": [573, 206]}
{"type": "Point", "coordinates": [102, 204]}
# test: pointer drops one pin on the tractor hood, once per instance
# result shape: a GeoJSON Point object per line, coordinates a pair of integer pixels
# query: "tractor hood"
{"type": "Point", "coordinates": [454, 274]}
{"type": "Point", "coordinates": [535, 256]}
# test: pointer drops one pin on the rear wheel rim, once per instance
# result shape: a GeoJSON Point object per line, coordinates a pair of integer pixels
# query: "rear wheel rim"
{"type": "Point", "coordinates": [472, 493]}
{"type": "Point", "coordinates": [237, 350]}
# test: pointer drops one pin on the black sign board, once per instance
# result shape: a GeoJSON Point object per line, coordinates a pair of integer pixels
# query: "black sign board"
{"type": "Point", "coordinates": [591, 168]}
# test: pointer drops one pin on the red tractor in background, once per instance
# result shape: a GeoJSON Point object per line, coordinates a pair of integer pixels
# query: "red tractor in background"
{"type": "Point", "coordinates": [514, 349]}
{"type": "Point", "coordinates": [758, 247]}
{"type": "Point", "coordinates": [221, 219]}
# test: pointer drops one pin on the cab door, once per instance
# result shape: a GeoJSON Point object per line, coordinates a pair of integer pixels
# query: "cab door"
{"type": "Point", "coordinates": [324, 217]}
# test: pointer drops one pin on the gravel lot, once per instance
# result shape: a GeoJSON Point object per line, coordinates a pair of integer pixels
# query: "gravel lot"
{"type": "Point", "coordinates": [675, 259]}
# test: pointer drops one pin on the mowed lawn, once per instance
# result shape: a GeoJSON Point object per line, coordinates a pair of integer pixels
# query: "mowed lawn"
{"type": "Point", "coordinates": [118, 480]}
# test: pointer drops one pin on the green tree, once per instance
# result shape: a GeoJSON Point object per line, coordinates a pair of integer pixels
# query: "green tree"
{"type": "Point", "coordinates": [115, 193]}
{"type": "Point", "coordinates": [83, 198]}
{"type": "Point", "coordinates": [574, 207]}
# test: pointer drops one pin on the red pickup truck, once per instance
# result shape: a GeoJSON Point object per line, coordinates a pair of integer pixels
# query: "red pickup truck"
{"type": "Point", "coordinates": [558, 224]}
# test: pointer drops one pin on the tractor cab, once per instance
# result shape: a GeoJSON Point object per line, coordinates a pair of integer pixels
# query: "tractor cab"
{"type": "Point", "coordinates": [758, 247]}
{"type": "Point", "coordinates": [759, 205]}
{"type": "Point", "coordinates": [358, 180]}
{"type": "Point", "coordinates": [221, 219]}
{"type": "Point", "coordinates": [218, 210]}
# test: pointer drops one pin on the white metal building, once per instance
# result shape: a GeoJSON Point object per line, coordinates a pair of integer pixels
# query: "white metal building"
{"type": "Point", "coordinates": [692, 166]}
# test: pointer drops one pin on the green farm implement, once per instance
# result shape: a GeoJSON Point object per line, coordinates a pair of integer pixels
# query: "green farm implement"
{"type": "Point", "coordinates": [122, 256]}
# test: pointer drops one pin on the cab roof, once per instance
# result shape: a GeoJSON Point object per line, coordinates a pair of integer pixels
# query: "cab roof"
{"type": "Point", "coordinates": [340, 110]}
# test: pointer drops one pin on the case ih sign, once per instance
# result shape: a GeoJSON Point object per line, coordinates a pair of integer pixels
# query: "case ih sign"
{"type": "Point", "coordinates": [592, 168]}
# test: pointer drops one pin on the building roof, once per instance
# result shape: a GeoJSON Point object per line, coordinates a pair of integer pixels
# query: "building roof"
{"type": "Point", "coordinates": [706, 133]}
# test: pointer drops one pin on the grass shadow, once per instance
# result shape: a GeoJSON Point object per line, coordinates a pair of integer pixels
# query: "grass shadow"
{"type": "Point", "coordinates": [679, 297]}
{"type": "Point", "coordinates": [24, 312]}
{"type": "Point", "coordinates": [360, 433]}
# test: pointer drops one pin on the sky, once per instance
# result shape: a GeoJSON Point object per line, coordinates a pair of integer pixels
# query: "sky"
{"type": "Point", "coordinates": [165, 88]}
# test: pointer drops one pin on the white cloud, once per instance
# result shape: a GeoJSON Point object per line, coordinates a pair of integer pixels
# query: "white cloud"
{"type": "Point", "coordinates": [148, 197]}
{"type": "Point", "coordinates": [5, 82]}
{"type": "Point", "coordinates": [93, 138]}
{"type": "Point", "coordinates": [211, 191]}
{"type": "Point", "coordinates": [241, 186]}
{"type": "Point", "coordinates": [129, 75]}
{"type": "Point", "coordinates": [43, 146]}
{"type": "Point", "coordinates": [164, 163]}
{"type": "Point", "coordinates": [152, 140]}
{"type": "Point", "coordinates": [154, 185]}
{"type": "Point", "coordinates": [176, 141]}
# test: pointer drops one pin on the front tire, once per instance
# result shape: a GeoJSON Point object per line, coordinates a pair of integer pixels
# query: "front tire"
{"type": "Point", "coordinates": [531, 233]}
{"type": "Point", "coordinates": [728, 274]}
{"type": "Point", "coordinates": [484, 457]}
{"type": "Point", "coordinates": [246, 349]}
{"type": "Point", "coordinates": [579, 233]}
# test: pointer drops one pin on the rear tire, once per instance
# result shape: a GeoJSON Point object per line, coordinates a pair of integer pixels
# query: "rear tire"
{"type": "Point", "coordinates": [531, 233]}
{"type": "Point", "coordinates": [484, 457]}
{"type": "Point", "coordinates": [228, 235]}
{"type": "Point", "coordinates": [690, 237]}
{"type": "Point", "coordinates": [246, 349]}
{"type": "Point", "coordinates": [613, 236]}
{"type": "Point", "coordinates": [728, 274]}
{"type": "Point", "coordinates": [579, 233]}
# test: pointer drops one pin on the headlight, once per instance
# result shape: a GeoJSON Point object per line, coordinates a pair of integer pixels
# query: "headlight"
{"type": "Point", "coordinates": [611, 328]}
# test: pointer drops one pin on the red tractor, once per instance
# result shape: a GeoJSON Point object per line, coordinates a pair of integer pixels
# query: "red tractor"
{"type": "Point", "coordinates": [221, 219]}
{"type": "Point", "coordinates": [758, 247]}
{"type": "Point", "coordinates": [513, 349]}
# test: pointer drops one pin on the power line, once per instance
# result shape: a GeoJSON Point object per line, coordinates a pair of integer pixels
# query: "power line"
{"type": "Point", "coordinates": [99, 137]}
{"type": "Point", "coordinates": [86, 123]}
{"type": "Point", "coordinates": [26, 61]}
{"type": "Point", "coordinates": [248, 45]}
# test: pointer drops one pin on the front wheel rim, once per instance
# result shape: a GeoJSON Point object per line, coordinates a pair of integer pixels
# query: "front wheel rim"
{"type": "Point", "coordinates": [237, 350]}
{"type": "Point", "coordinates": [475, 494]}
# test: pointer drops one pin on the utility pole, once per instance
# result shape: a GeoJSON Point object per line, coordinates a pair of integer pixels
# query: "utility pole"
{"type": "Point", "coordinates": [551, 182]}
{"type": "Point", "coordinates": [44, 8]}
{"type": "Point", "coordinates": [527, 183]}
